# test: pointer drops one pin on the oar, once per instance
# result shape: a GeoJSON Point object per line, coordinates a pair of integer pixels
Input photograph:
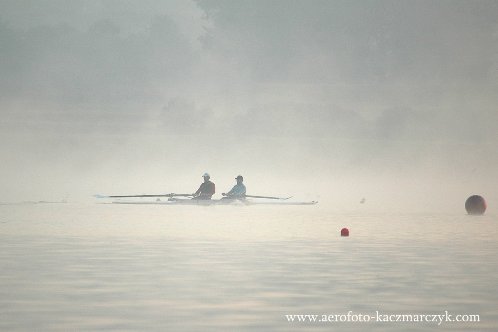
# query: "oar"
{"type": "Point", "coordinates": [128, 196]}
{"type": "Point", "coordinates": [268, 197]}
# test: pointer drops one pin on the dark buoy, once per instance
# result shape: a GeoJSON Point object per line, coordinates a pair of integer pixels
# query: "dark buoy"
{"type": "Point", "coordinates": [475, 205]}
{"type": "Point", "coordinates": [344, 232]}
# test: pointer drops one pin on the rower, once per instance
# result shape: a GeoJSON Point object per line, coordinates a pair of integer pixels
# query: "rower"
{"type": "Point", "coordinates": [206, 189]}
{"type": "Point", "coordinates": [238, 191]}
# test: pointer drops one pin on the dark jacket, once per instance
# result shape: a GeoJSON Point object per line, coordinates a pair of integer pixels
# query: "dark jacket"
{"type": "Point", "coordinates": [206, 190]}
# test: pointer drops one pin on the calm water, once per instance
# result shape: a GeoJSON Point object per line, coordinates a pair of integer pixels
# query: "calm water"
{"type": "Point", "coordinates": [130, 268]}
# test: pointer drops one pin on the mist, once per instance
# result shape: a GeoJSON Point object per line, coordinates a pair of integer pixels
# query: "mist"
{"type": "Point", "coordinates": [392, 101]}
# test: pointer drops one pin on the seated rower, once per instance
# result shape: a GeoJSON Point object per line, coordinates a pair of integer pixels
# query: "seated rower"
{"type": "Point", "coordinates": [206, 190]}
{"type": "Point", "coordinates": [238, 191]}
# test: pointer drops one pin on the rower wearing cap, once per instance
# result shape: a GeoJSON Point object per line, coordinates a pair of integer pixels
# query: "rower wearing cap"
{"type": "Point", "coordinates": [206, 190]}
{"type": "Point", "coordinates": [238, 191]}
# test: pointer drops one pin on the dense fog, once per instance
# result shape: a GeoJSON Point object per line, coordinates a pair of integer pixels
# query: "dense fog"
{"type": "Point", "coordinates": [391, 101]}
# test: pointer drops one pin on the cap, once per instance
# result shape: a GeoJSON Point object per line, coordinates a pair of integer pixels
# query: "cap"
{"type": "Point", "coordinates": [239, 177]}
{"type": "Point", "coordinates": [205, 175]}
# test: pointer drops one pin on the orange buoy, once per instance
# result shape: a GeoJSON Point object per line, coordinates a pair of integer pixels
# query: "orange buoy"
{"type": "Point", "coordinates": [475, 205]}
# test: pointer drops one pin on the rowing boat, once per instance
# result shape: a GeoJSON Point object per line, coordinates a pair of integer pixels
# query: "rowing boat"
{"type": "Point", "coordinates": [181, 199]}
{"type": "Point", "coordinates": [234, 202]}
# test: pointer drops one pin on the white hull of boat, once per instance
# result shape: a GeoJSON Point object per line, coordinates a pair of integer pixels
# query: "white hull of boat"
{"type": "Point", "coordinates": [213, 202]}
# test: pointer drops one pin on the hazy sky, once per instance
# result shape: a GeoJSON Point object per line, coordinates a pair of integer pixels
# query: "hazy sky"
{"type": "Point", "coordinates": [147, 95]}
